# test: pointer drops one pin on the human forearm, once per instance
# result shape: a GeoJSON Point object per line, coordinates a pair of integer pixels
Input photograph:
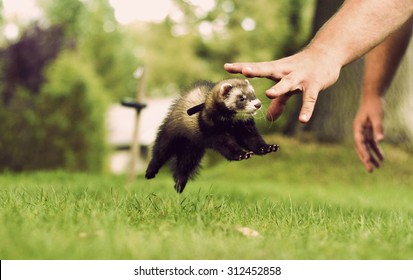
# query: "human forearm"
{"type": "Point", "coordinates": [380, 67]}
{"type": "Point", "coordinates": [382, 62]}
{"type": "Point", "coordinates": [360, 25]}
{"type": "Point", "coordinates": [355, 29]}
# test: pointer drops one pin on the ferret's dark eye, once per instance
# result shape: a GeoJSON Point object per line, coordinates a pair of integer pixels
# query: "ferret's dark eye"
{"type": "Point", "coordinates": [241, 98]}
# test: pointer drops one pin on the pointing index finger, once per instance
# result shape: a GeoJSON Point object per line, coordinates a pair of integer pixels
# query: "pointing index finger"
{"type": "Point", "coordinates": [233, 67]}
{"type": "Point", "coordinates": [255, 69]}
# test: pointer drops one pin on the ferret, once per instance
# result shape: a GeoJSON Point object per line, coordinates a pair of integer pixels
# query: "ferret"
{"type": "Point", "coordinates": [211, 115]}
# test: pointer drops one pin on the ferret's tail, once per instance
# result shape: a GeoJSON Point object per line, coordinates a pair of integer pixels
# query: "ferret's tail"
{"type": "Point", "coordinates": [161, 153]}
{"type": "Point", "coordinates": [186, 165]}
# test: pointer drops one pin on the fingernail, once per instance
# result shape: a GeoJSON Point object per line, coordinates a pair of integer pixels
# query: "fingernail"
{"type": "Point", "coordinates": [379, 137]}
{"type": "Point", "coordinates": [271, 92]}
{"type": "Point", "coordinates": [228, 64]}
{"type": "Point", "coordinates": [304, 117]}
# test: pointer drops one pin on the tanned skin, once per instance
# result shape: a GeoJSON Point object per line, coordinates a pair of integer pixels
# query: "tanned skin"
{"type": "Point", "coordinates": [358, 27]}
{"type": "Point", "coordinates": [380, 67]}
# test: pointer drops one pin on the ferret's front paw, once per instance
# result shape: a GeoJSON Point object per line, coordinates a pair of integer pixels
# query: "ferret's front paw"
{"type": "Point", "coordinates": [273, 148]}
{"type": "Point", "coordinates": [269, 149]}
{"type": "Point", "coordinates": [245, 155]}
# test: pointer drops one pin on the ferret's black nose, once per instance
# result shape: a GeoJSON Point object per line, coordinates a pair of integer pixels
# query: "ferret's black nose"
{"type": "Point", "coordinates": [258, 105]}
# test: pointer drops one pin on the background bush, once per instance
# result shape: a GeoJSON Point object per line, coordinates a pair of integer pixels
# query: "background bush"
{"type": "Point", "coordinates": [61, 126]}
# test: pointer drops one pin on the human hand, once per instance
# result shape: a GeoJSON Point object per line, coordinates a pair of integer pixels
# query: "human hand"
{"type": "Point", "coordinates": [368, 132]}
{"type": "Point", "coordinates": [308, 72]}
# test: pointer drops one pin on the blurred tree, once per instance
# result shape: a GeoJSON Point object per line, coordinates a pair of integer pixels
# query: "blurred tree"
{"type": "Point", "coordinates": [1, 12]}
{"type": "Point", "coordinates": [68, 14]}
{"type": "Point", "coordinates": [23, 62]}
{"type": "Point", "coordinates": [92, 26]}
{"type": "Point", "coordinates": [52, 101]}
{"type": "Point", "coordinates": [62, 126]}
{"type": "Point", "coordinates": [170, 60]}
{"type": "Point", "coordinates": [109, 49]}
{"type": "Point", "coordinates": [88, 26]}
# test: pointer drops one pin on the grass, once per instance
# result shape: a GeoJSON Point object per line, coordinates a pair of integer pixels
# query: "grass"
{"type": "Point", "coordinates": [307, 201]}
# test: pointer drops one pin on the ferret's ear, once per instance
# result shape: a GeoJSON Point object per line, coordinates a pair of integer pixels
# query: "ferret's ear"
{"type": "Point", "coordinates": [225, 89]}
{"type": "Point", "coordinates": [248, 82]}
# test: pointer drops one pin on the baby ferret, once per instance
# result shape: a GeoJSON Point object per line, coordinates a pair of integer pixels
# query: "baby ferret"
{"type": "Point", "coordinates": [218, 116]}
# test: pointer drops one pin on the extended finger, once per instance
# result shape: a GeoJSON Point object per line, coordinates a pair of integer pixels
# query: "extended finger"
{"type": "Point", "coordinates": [376, 150]}
{"type": "Point", "coordinates": [378, 130]}
{"type": "Point", "coordinates": [361, 149]}
{"type": "Point", "coordinates": [256, 69]}
{"type": "Point", "coordinates": [309, 101]}
{"type": "Point", "coordinates": [375, 153]}
{"type": "Point", "coordinates": [367, 148]}
{"type": "Point", "coordinates": [276, 107]}
{"type": "Point", "coordinates": [287, 85]}
{"type": "Point", "coordinates": [372, 155]}
{"type": "Point", "coordinates": [234, 67]}
{"type": "Point", "coordinates": [366, 158]}
{"type": "Point", "coordinates": [377, 136]}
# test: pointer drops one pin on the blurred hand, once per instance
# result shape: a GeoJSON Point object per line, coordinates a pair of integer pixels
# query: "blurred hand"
{"type": "Point", "coordinates": [368, 132]}
{"type": "Point", "coordinates": [308, 72]}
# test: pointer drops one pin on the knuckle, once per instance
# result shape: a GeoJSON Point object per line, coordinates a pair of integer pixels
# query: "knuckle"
{"type": "Point", "coordinates": [311, 98]}
{"type": "Point", "coordinates": [310, 95]}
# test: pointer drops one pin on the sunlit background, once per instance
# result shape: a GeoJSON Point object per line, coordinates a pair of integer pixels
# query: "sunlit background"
{"type": "Point", "coordinates": [126, 12]}
{"type": "Point", "coordinates": [66, 65]}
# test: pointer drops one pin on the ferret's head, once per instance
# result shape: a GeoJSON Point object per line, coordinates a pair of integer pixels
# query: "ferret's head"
{"type": "Point", "coordinates": [238, 96]}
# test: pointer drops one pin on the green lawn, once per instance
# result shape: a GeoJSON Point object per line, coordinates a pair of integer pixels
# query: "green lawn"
{"type": "Point", "coordinates": [307, 201]}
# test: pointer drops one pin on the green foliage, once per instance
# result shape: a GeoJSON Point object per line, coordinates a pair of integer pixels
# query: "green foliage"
{"type": "Point", "coordinates": [67, 13]}
{"type": "Point", "coordinates": [330, 210]}
{"type": "Point", "coordinates": [55, 118]}
{"type": "Point", "coordinates": [1, 12]}
{"type": "Point", "coordinates": [61, 127]}
{"type": "Point", "coordinates": [109, 50]}
{"type": "Point", "coordinates": [92, 27]}
{"type": "Point", "coordinates": [182, 50]}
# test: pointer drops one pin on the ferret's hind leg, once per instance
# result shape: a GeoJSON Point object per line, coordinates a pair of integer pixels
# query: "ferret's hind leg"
{"type": "Point", "coordinates": [186, 165]}
{"type": "Point", "coordinates": [161, 153]}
